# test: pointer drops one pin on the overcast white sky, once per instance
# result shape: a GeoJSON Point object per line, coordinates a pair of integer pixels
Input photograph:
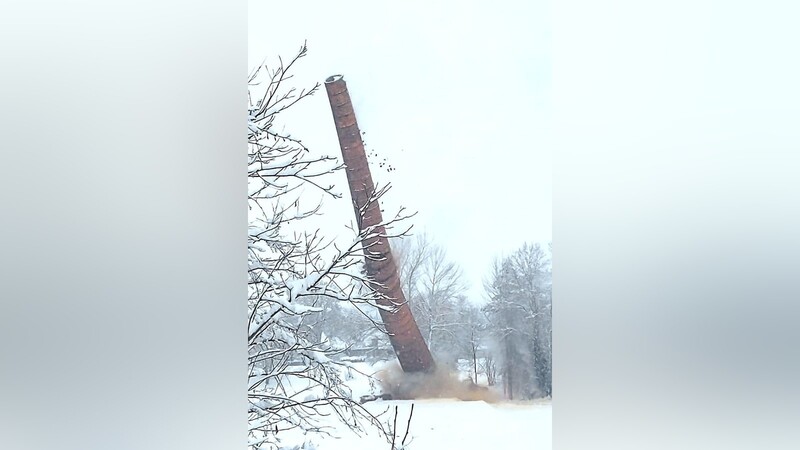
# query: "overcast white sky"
{"type": "Point", "coordinates": [455, 95]}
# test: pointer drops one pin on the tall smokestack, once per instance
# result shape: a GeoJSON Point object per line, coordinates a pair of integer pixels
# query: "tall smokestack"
{"type": "Point", "coordinates": [404, 334]}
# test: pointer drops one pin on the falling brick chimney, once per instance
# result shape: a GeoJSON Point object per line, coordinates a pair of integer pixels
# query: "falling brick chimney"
{"type": "Point", "coordinates": [412, 352]}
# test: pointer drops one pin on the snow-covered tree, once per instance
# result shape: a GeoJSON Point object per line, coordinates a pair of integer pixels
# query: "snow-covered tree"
{"type": "Point", "coordinates": [533, 266]}
{"type": "Point", "coordinates": [293, 273]}
{"type": "Point", "coordinates": [520, 316]}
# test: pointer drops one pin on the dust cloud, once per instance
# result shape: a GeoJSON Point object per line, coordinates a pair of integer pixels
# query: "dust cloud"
{"type": "Point", "coordinates": [441, 383]}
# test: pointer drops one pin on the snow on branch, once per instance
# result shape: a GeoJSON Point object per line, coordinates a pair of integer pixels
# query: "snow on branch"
{"type": "Point", "coordinates": [293, 380]}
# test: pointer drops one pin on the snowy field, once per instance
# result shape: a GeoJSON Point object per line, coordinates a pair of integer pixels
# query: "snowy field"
{"type": "Point", "coordinates": [453, 424]}
{"type": "Point", "coordinates": [439, 424]}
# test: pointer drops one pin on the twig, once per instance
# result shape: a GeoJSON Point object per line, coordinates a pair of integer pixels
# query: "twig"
{"type": "Point", "coordinates": [408, 426]}
{"type": "Point", "coordinates": [394, 428]}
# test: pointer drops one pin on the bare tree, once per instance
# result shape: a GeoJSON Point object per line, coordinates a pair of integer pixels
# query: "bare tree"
{"type": "Point", "coordinates": [433, 285]}
{"type": "Point", "coordinates": [471, 332]}
{"type": "Point", "coordinates": [292, 379]}
{"type": "Point", "coordinates": [490, 369]}
{"type": "Point", "coordinates": [411, 254]}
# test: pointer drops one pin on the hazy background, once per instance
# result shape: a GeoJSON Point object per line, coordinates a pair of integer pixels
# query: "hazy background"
{"type": "Point", "coordinates": [456, 97]}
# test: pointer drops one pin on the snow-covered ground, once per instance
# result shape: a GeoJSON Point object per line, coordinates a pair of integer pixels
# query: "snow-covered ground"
{"type": "Point", "coordinates": [439, 424]}
{"type": "Point", "coordinates": [453, 424]}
